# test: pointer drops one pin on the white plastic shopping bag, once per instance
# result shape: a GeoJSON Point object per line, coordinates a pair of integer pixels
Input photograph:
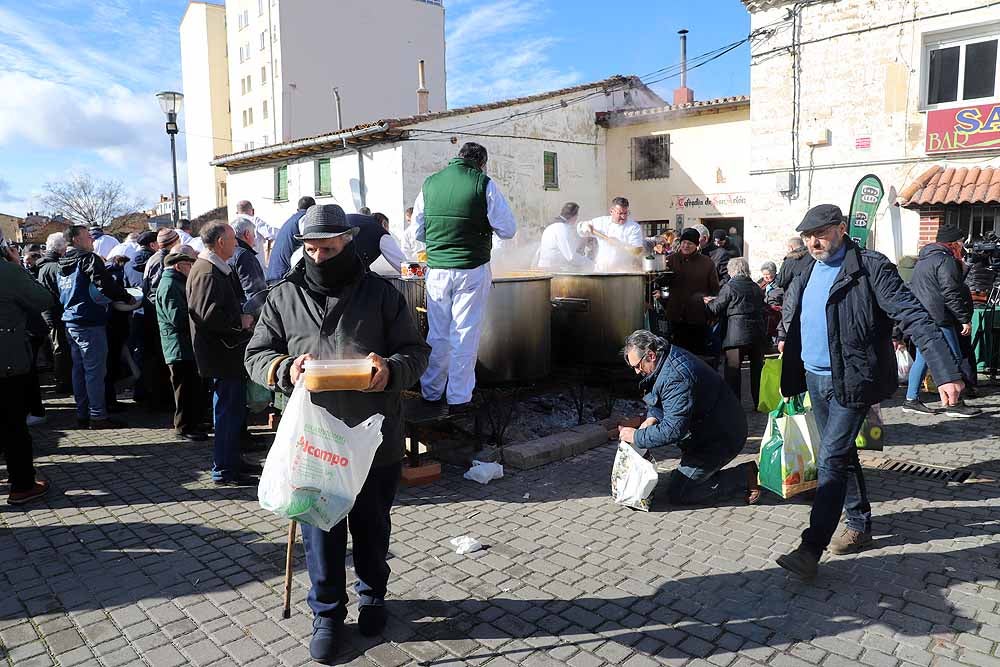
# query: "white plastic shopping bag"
{"type": "Point", "coordinates": [903, 364]}
{"type": "Point", "coordinates": [317, 464]}
{"type": "Point", "coordinates": [633, 479]}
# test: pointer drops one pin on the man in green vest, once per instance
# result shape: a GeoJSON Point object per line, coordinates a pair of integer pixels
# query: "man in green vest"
{"type": "Point", "coordinates": [456, 214]}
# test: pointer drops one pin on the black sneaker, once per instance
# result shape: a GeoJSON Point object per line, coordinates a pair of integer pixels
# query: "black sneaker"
{"type": "Point", "coordinates": [961, 410]}
{"type": "Point", "coordinates": [917, 407]}
{"type": "Point", "coordinates": [192, 436]}
{"type": "Point", "coordinates": [241, 480]}
{"type": "Point", "coordinates": [801, 562]}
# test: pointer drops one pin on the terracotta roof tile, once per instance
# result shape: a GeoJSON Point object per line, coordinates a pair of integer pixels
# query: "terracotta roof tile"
{"type": "Point", "coordinates": [942, 185]}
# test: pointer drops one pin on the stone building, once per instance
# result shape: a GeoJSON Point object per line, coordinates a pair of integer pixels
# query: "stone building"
{"type": "Point", "coordinates": [907, 90]}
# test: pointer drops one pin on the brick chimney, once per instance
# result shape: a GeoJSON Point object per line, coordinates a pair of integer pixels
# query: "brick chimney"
{"type": "Point", "coordinates": [423, 95]}
{"type": "Point", "coordinates": [683, 94]}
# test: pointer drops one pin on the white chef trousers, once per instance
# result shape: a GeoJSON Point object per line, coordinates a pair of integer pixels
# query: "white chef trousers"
{"type": "Point", "coordinates": [456, 306]}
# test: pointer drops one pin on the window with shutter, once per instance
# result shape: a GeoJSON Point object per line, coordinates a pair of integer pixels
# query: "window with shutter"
{"type": "Point", "coordinates": [550, 170]}
{"type": "Point", "coordinates": [323, 177]}
{"type": "Point", "coordinates": [281, 183]}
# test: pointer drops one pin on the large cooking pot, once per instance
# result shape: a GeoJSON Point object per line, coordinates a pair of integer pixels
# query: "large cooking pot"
{"type": "Point", "coordinates": [516, 343]}
{"type": "Point", "coordinates": [516, 340]}
{"type": "Point", "coordinates": [593, 313]}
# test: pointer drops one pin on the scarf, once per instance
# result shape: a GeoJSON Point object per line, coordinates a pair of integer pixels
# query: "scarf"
{"type": "Point", "coordinates": [216, 261]}
{"type": "Point", "coordinates": [330, 277]}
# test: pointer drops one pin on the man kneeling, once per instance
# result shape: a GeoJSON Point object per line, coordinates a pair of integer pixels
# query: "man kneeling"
{"type": "Point", "coordinates": [689, 405]}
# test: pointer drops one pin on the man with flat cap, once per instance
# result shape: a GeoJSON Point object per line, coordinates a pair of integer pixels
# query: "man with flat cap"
{"type": "Point", "coordinates": [838, 316]}
{"type": "Point", "coordinates": [329, 306]}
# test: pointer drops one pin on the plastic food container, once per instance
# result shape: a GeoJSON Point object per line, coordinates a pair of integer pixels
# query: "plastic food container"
{"type": "Point", "coordinates": [338, 375]}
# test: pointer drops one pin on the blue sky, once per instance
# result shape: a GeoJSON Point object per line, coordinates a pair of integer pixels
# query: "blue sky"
{"type": "Point", "coordinates": [78, 76]}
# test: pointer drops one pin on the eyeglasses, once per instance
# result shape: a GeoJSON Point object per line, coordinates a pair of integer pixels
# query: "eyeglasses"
{"type": "Point", "coordinates": [821, 233]}
{"type": "Point", "coordinates": [636, 365]}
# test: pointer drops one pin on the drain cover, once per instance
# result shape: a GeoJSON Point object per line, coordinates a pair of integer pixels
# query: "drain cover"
{"type": "Point", "coordinates": [927, 472]}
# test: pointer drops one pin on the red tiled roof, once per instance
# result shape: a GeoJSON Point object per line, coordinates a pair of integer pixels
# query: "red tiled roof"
{"type": "Point", "coordinates": [941, 185]}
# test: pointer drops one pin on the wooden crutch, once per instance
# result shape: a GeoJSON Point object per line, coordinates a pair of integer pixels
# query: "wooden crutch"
{"type": "Point", "coordinates": [287, 611]}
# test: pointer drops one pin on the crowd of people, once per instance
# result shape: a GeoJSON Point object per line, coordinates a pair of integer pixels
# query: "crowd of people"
{"type": "Point", "coordinates": [192, 318]}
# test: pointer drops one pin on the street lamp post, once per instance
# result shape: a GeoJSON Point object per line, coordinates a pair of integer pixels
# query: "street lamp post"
{"type": "Point", "coordinates": [171, 103]}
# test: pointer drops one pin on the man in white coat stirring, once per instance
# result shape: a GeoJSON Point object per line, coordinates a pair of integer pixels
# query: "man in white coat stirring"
{"type": "Point", "coordinates": [619, 238]}
{"type": "Point", "coordinates": [558, 249]}
{"type": "Point", "coordinates": [456, 213]}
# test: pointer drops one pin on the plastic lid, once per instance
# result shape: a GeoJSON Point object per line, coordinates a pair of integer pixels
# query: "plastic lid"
{"type": "Point", "coordinates": [326, 364]}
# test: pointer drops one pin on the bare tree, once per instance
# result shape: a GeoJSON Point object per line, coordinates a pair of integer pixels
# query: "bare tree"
{"type": "Point", "coordinates": [87, 201]}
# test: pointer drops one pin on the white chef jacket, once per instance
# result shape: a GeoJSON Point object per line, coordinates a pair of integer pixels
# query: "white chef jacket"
{"type": "Point", "coordinates": [557, 249]}
{"type": "Point", "coordinates": [611, 257]}
{"type": "Point", "coordinates": [104, 245]}
{"type": "Point", "coordinates": [497, 211]}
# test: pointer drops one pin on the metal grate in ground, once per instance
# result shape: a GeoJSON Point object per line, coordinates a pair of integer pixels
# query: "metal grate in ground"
{"type": "Point", "coordinates": [925, 471]}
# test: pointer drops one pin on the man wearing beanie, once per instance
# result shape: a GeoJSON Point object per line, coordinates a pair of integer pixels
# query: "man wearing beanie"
{"type": "Point", "coordinates": [939, 285]}
{"type": "Point", "coordinates": [695, 277]}
{"type": "Point", "coordinates": [838, 317]}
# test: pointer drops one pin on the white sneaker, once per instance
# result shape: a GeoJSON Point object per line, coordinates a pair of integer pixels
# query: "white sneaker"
{"type": "Point", "coordinates": [32, 420]}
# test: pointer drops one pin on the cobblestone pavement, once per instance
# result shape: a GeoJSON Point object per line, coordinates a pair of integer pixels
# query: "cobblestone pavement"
{"type": "Point", "coordinates": [135, 558]}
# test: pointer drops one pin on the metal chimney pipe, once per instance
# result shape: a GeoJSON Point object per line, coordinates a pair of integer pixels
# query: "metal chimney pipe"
{"type": "Point", "coordinates": [684, 58]}
{"type": "Point", "coordinates": [340, 116]}
{"type": "Point", "coordinates": [423, 95]}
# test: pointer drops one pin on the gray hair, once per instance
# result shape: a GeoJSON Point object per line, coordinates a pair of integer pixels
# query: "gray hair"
{"type": "Point", "coordinates": [769, 266]}
{"type": "Point", "coordinates": [642, 341]}
{"type": "Point", "coordinates": [243, 226]}
{"type": "Point", "coordinates": [213, 231]}
{"type": "Point", "coordinates": [244, 207]}
{"type": "Point", "coordinates": [702, 230]}
{"type": "Point", "coordinates": [738, 267]}
{"type": "Point", "coordinates": [796, 242]}
{"type": "Point", "coordinates": [55, 242]}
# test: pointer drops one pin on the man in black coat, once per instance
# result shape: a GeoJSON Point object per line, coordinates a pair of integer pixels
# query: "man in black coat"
{"type": "Point", "coordinates": [720, 253]}
{"type": "Point", "coordinates": [937, 283]}
{"type": "Point", "coordinates": [796, 261]}
{"type": "Point", "coordinates": [838, 318]}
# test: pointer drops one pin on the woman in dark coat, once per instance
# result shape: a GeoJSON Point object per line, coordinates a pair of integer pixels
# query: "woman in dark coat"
{"type": "Point", "coordinates": [741, 304]}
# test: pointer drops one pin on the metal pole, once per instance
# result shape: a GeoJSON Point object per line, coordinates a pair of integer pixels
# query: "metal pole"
{"type": "Point", "coordinates": [340, 117]}
{"type": "Point", "coordinates": [173, 160]}
{"type": "Point", "coordinates": [361, 177]}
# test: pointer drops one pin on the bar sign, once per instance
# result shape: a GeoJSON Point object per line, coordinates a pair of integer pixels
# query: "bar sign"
{"type": "Point", "coordinates": [862, 143]}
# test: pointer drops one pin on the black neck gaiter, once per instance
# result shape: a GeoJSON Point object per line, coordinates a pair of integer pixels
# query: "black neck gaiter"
{"type": "Point", "coordinates": [330, 277]}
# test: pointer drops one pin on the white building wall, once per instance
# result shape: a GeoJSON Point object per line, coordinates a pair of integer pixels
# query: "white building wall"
{"type": "Point", "coordinates": [382, 176]}
{"type": "Point", "coordinates": [206, 102]}
{"type": "Point", "coordinates": [857, 86]}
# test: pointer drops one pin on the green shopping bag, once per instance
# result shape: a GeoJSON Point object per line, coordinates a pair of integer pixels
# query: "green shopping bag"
{"type": "Point", "coordinates": [770, 386]}
{"type": "Point", "coordinates": [788, 450]}
{"type": "Point", "coordinates": [870, 437]}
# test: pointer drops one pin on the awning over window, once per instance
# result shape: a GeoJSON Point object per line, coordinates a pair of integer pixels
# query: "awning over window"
{"type": "Point", "coordinates": [941, 185]}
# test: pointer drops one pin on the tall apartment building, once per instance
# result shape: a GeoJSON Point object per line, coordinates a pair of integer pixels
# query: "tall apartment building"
{"type": "Point", "coordinates": [260, 72]}
{"type": "Point", "coordinates": [287, 56]}
{"type": "Point", "coordinates": [207, 127]}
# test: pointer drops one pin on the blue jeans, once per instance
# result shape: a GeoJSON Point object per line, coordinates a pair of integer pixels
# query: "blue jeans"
{"type": "Point", "coordinates": [700, 480]}
{"type": "Point", "coordinates": [89, 349]}
{"type": "Point", "coordinates": [370, 527]}
{"type": "Point", "coordinates": [229, 406]}
{"type": "Point", "coordinates": [841, 482]}
{"type": "Point", "coordinates": [919, 368]}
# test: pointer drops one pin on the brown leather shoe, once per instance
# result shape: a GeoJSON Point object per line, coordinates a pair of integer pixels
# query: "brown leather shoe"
{"type": "Point", "coordinates": [802, 563]}
{"type": "Point", "coordinates": [40, 488]}
{"type": "Point", "coordinates": [850, 541]}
